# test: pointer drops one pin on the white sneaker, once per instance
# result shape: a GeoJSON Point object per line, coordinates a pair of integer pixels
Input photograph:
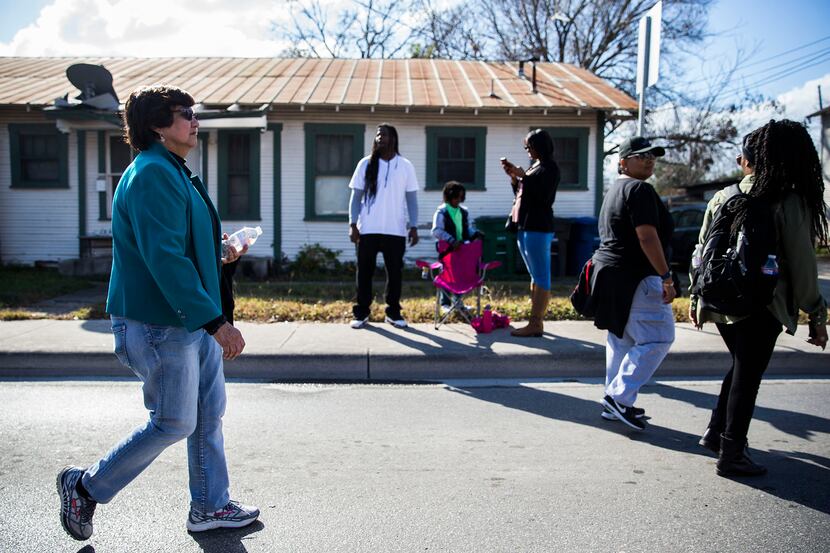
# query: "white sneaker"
{"type": "Point", "coordinates": [397, 323]}
{"type": "Point", "coordinates": [359, 323]}
{"type": "Point", "coordinates": [232, 515]}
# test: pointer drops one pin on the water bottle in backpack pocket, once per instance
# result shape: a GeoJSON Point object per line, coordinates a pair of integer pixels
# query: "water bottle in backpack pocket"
{"type": "Point", "coordinates": [738, 268]}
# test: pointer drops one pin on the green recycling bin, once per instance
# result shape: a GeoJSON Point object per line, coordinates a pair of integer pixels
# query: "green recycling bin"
{"type": "Point", "coordinates": [500, 245]}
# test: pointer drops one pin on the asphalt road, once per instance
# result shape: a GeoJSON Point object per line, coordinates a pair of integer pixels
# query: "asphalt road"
{"type": "Point", "coordinates": [466, 467]}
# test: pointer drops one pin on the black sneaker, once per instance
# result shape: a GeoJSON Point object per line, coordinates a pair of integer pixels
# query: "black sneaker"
{"type": "Point", "coordinates": [608, 415]}
{"type": "Point", "coordinates": [623, 413]}
{"type": "Point", "coordinates": [76, 511]}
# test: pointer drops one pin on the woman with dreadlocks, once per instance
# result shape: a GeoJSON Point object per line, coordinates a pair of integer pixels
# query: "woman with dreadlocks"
{"type": "Point", "coordinates": [782, 170]}
{"type": "Point", "coordinates": [384, 191]}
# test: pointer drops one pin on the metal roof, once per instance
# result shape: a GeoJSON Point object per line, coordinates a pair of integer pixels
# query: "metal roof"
{"type": "Point", "coordinates": [406, 83]}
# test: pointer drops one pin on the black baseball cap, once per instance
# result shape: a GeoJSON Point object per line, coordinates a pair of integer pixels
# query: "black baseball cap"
{"type": "Point", "coordinates": [639, 145]}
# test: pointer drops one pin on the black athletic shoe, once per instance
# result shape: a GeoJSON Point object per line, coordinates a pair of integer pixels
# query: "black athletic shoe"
{"type": "Point", "coordinates": [624, 414]}
{"type": "Point", "coordinates": [608, 415]}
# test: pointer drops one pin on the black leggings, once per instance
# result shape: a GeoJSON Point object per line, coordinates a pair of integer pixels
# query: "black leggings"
{"type": "Point", "coordinates": [392, 248]}
{"type": "Point", "coordinates": [750, 341]}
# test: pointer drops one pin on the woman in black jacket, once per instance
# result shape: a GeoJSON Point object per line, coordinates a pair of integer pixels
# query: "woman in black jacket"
{"type": "Point", "coordinates": [532, 216]}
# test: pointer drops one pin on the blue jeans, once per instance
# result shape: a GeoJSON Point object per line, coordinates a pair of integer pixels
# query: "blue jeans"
{"type": "Point", "coordinates": [184, 390]}
{"type": "Point", "coordinates": [535, 249]}
{"type": "Point", "coordinates": [630, 361]}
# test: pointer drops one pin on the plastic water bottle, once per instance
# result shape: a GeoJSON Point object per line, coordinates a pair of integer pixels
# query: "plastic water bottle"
{"type": "Point", "coordinates": [696, 257]}
{"type": "Point", "coordinates": [425, 273]}
{"type": "Point", "coordinates": [770, 268]}
{"type": "Point", "coordinates": [487, 319]}
{"type": "Point", "coordinates": [246, 236]}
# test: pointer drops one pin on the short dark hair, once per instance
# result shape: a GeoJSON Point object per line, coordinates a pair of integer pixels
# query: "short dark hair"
{"type": "Point", "coordinates": [148, 107]}
{"type": "Point", "coordinates": [541, 142]}
{"type": "Point", "coordinates": [454, 189]}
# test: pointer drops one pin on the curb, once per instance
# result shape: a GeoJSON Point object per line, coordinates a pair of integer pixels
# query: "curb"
{"type": "Point", "coordinates": [410, 367]}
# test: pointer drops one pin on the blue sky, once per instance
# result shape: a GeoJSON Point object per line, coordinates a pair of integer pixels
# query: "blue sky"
{"type": "Point", "coordinates": [765, 28]}
{"type": "Point", "coordinates": [760, 28]}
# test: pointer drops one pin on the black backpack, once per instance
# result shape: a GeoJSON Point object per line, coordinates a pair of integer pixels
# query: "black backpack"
{"type": "Point", "coordinates": [730, 279]}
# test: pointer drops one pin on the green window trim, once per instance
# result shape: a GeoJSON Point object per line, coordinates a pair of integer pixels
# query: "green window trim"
{"type": "Point", "coordinates": [253, 212]}
{"type": "Point", "coordinates": [15, 131]}
{"type": "Point", "coordinates": [311, 131]}
{"type": "Point", "coordinates": [204, 141]}
{"type": "Point", "coordinates": [581, 134]}
{"type": "Point", "coordinates": [276, 128]}
{"type": "Point", "coordinates": [434, 133]}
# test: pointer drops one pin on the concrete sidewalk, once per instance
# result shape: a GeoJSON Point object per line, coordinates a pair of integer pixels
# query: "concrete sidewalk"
{"type": "Point", "coordinates": [380, 352]}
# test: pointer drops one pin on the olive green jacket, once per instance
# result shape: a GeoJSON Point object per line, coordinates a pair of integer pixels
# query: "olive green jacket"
{"type": "Point", "coordinates": [797, 287]}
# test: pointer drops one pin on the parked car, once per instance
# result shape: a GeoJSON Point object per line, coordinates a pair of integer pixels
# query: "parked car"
{"type": "Point", "coordinates": [688, 218]}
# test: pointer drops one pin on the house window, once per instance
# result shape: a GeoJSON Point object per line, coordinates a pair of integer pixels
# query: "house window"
{"type": "Point", "coordinates": [238, 168]}
{"type": "Point", "coordinates": [455, 153]}
{"type": "Point", "coordinates": [570, 150]}
{"type": "Point", "coordinates": [115, 156]}
{"type": "Point", "coordinates": [332, 153]}
{"type": "Point", "coordinates": [39, 156]}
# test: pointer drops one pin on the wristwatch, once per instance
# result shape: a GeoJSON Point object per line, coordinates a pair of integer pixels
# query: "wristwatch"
{"type": "Point", "coordinates": [667, 276]}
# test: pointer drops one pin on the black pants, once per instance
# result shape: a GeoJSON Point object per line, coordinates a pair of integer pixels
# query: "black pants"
{"type": "Point", "coordinates": [392, 248]}
{"type": "Point", "coordinates": [750, 342]}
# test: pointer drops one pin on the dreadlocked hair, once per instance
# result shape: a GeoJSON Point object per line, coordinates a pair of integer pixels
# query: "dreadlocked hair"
{"type": "Point", "coordinates": [372, 168]}
{"type": "Point", "coordinates": [786, 162]}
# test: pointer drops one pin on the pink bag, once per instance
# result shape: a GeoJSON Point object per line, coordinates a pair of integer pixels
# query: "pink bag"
{"type": "Point", "coordinates": [489, 320]}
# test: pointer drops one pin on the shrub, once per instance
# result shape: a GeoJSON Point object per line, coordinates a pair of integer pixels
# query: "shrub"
{"type": "Point", "coordinates": [314, 259]}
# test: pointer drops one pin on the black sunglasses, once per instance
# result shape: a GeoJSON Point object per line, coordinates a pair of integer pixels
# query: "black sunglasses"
{"type": "Point", "coordinates": [187, 113]}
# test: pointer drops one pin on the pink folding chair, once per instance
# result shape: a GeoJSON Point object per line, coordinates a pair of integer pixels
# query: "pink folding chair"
{"type": "Point", "coordinates": [458, 272]}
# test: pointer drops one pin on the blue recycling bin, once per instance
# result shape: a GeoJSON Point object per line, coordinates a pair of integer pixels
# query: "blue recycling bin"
{"type": "Point", "coordinates": [582, 242]}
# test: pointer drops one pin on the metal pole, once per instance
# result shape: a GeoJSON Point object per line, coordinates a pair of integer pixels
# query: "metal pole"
{"type": "Point", "coordinates": [642, 106]}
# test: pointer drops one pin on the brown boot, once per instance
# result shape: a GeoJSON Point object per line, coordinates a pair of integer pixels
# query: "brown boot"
{"type": "Point", "coordinates": [539, 306]}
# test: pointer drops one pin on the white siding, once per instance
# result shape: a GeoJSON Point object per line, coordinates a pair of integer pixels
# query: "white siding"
{"type": "Point", "coordinates": [38, 224]}
{"type": "Point", "coordinates": [504, 139]}
{"type": "Point", "coordinates": [50, 217]}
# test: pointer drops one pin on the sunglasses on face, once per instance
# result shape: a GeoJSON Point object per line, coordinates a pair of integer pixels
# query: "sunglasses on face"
{"type": "Point", "coordinates": [187, 113]}
{"type": "Point", "coordinates": [644, 156]}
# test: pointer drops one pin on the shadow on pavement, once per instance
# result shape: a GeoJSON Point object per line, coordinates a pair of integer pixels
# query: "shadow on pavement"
{"type": "Point", "coordinates": [86, 549]}
{"type": "Point", "coordinates": [484, 342]}
{"type": "Point", "coordinates": [563, 407]}
{"type": "Point", "coordinates": [795, 424]}
{"type": "Point", "coordinates": [226, 540]}
{"type": "Point", "coordinates": [102, 326]}
{"type": "Point", "coordinates": [793, 476]}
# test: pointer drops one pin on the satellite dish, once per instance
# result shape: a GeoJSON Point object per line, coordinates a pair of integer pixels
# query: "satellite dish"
{"type": "Point", "coordinates": [95, 84]}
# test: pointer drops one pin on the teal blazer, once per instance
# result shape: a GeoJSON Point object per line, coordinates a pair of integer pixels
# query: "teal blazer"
{"type": "Point", "coordinates": [165, 257]}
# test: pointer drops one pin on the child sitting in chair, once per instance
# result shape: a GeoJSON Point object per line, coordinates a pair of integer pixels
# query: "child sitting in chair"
{"type": "Point", "coordinates": [452, 225]}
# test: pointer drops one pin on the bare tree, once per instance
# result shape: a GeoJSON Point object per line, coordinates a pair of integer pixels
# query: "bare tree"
{"type": "Point", "coordinates": [368, 29]}
{"type": "Point", "coordinates": [597, 35]}
{"type": "Point", "coordinates": [446, 32]}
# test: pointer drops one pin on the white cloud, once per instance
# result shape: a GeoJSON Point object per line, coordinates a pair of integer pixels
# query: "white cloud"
{"type": "Point", "coordinates": [149, 28]}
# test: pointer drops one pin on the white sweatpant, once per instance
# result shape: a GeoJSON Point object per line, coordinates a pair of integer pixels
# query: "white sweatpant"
{"type": "Point", "coordinates": [630, 361]}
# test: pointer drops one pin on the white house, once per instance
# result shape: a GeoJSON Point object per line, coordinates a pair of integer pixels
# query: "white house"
{"type": "Point", "coordinates": [280, 138]}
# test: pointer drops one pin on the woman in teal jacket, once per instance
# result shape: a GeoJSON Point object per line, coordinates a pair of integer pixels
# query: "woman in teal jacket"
{"type": "Point", "coordinates": [165, 304]}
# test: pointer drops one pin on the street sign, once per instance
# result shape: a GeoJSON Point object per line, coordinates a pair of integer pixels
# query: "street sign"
{"type": "Point", "coordinates": [648, 57]}
{"type": "Point", "coordinates": [648, 47]}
